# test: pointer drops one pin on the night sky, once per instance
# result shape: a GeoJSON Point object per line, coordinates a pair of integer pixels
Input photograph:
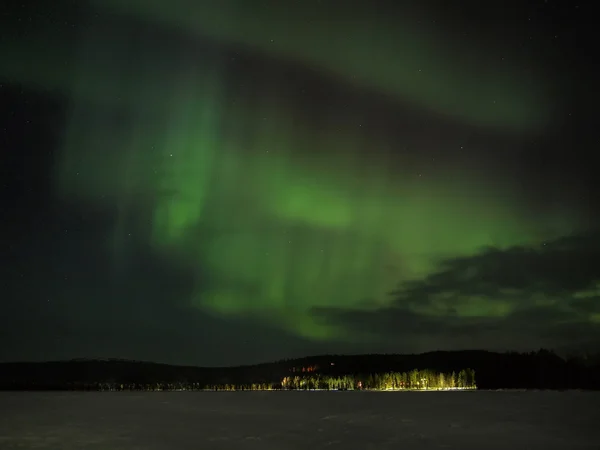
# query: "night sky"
{"type": "Point", "coordinates": [236, 181]}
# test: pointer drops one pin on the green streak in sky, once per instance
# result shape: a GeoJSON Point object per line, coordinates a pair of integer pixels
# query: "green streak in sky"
{"type": "Point", "coordinates": [272, 226]}
{"type": "Point", "coordinates": [414, 62]}
{"type": "Point", "coordinates": [273, 221]}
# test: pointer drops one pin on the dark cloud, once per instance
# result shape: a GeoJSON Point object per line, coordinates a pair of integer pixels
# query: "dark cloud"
{"type": "Point", "coordinates": [519, 297]}
{"type": "Point", "coordinates": [561, 266]}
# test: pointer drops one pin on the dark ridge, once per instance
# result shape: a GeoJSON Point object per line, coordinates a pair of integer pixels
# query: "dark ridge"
{"type": "Point", "coordinates": [542, 369]}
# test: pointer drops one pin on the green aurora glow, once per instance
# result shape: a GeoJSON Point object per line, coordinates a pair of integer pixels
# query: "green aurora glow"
{"type": "Point", "coordinates": [363, 47]}
{"type": "Point", "coordinates": [253, 194]}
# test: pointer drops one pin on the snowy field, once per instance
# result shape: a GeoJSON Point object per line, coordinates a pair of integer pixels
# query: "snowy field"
{"type": "Point", "coordinates": [300, 420]}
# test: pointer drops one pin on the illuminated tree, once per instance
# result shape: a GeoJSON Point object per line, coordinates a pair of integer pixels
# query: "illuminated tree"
{"type": "Point", "coordinates": [452, 380]}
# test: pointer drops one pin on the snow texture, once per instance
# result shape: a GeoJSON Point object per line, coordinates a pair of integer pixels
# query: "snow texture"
{"type": "Point", "coordinates": [300, 420]}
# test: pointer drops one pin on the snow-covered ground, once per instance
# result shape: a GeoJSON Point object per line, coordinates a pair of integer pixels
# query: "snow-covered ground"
{"type": "Point", "coordinates": [300, 420]}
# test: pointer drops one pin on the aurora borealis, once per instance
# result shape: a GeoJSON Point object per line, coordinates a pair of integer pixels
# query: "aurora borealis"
{"type": "Point", "coordinates": [279, 178]}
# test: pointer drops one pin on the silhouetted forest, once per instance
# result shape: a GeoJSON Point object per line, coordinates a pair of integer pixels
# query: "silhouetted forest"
{"type": "Point", "coordinates": [434, 370]}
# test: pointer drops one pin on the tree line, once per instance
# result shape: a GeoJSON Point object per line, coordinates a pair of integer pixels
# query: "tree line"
{"type": "Point", "coordinates": [389, 381]}
{"type": "Point", "coordinates": [413, 380]}
{"type": "Point", "coordinates": [542, 369]}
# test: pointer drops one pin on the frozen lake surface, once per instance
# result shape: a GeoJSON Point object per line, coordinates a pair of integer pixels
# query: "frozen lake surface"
{"type": "Point", "coordinates": [299, 420]}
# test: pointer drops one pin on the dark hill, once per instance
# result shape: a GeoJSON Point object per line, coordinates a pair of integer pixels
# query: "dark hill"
{"type": "Point", "coordinates": [535, 370]}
